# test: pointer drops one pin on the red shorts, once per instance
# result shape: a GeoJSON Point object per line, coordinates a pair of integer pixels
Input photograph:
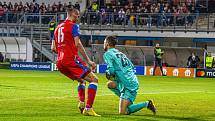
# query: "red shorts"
{"type": "Point", "coordinates": [74, 69]}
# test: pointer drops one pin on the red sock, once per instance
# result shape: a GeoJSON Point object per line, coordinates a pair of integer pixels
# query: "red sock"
{"type": "Point", "coordinates": [91, 94]}
{"type": "Point", "coordinates": [81, 92]}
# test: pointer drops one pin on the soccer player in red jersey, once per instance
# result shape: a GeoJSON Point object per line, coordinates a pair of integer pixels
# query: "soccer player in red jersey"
{"type": "Point", "coordinates": [67, 44]}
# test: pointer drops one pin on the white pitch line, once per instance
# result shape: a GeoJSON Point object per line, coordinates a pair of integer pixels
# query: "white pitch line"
{"type": "Point", "coordinates": [39, 98]}
{"type": "Point", "coordinates": [21, 76]}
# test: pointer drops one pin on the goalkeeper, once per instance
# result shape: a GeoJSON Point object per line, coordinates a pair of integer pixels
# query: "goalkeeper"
{"type": "Point", "coordinates": [122, 79]}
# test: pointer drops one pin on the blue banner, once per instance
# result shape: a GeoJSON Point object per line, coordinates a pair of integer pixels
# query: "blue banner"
{"type": "Point", "coordinates": [139, 70]}
{"type": "Point", "coordinates": [101, 68]}
{"type": "Point", "coordinates": [30, 66]}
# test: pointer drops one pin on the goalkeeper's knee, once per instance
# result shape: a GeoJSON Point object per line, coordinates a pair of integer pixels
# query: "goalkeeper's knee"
{"type": "Point", "coordinates": [111, 84]}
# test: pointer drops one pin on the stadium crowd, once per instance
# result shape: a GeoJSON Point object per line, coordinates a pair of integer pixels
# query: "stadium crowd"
{"type": "Point", "coordinates": [9, 10]}
{"type": "Point", "coordinates": [34, 7]}
{"type": "Point", "coordinates": [141, 12]}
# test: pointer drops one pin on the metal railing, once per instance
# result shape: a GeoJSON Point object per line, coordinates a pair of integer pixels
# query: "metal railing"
{"type": "Point", "coordinates": [10, 17]}
{"type": "Point", "coordinates": [194, 22]}
{"type": "Point", "coordinates": [41, 19]}
{"type": "Point", "coordinates": [144, 55]}
{"type": "Point", "coordinates": [149, 22]}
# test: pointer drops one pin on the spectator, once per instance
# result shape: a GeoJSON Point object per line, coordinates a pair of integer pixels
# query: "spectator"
{"type": "Point", "coordinates": [77, 6]}
{"type": "Point", "coordinates": [193, 61]}
{"type": "Point", "coordinates": [43, 8]}
{"type": "Point", "coordinates": [59, 6]}
{"type": "Point", "coordinates": [65, 7]}
{"type": "Point", "coordinates": [54, 7]}
{"type": "Point", "coordinates": [132, 18]}
{"type": "Point", "coordinates": [2, 13]}
{"type": "Point", "coordinates": [10, 6]}
{"type": "Point", "coordinates": [84, 18]}
{"type": "Point", "coordinates": [20, 7]}
{"type": "Point", "coordinates": [103, 16]}
{"type": "Point", "coordinates": [5, 5]}
{"type": "Point", "coordinates": [158, 58]}
{"type": "Point", "coordinates": [115, 15]}
{"type": "Point", "coordinates": [25, 9]}
{"type": "Point", "coordinates": [34, 1]}
{"type": "Point", "coordinates": [128, 14]}
{"type": "Point", "coordinates": [121, 16]}
{"type": "Point", "coordinates": [49, 9]}
{"type": "Point", "coordinates": [169, 17]}
{"type": "Point", "coordinates": [209, 61]}
{"type": "Point", "coordinates": [36, 8]}
{"type": "Point", "coordinates": [109, 12]}
{"type": "Point", "coordinates": [1, 57]}
{"type": "Point", "coordinates": [94, 7]}
{"type": "Point", "coordinates": [70, 5]}
{"type": "Point", "coordinates": [61, 9]}
{"type": "Point", "coordinates": [140, 18]}
{"type": "Point", "coordinates": [52, 26]}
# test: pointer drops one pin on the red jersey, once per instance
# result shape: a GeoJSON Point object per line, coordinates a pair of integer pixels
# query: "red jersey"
{"type": "Point", "coordinates": [68, 62]}
{"type": "Point", "coordinates": [64, 40]}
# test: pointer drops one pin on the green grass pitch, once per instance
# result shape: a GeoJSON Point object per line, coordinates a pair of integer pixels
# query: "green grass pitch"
{"type": "Point", "coordinates": [50, 96]}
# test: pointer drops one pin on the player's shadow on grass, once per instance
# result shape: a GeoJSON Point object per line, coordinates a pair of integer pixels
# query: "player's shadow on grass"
{"type": "Point", "coordinates": [7, 86]}
{"type": "Point", "coordinates": [175, 118]}
{"type": "Point", "coordinates": [154, 117]}
{"type": "Point", "coordinates": [126, 117]}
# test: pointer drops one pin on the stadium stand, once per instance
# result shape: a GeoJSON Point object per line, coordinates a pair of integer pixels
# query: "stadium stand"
{"type": "Point", "coordinates": [16, 49]}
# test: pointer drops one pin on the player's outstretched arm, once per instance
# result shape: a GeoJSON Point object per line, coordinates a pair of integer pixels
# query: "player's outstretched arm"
{"type": "Point", "coordinates": [81, 49]}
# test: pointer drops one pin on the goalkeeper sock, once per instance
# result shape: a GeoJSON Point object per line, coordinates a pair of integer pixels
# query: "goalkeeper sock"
{"type": "Point", "coordinates": [136, 107]}
{"type": "Point", "coordinates": [92, 88]}
{"type": "Point", "coordinates": [81, 92]}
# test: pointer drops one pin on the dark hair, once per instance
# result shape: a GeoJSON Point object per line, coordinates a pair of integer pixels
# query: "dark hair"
{"type": "Point", "coordinates": [71, 10]}
{"type": "Point", "coordinates": [111, 40]}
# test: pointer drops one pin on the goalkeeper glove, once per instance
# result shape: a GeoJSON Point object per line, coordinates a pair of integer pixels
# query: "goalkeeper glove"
{"type": "Point", "coordinates": [110, 76]}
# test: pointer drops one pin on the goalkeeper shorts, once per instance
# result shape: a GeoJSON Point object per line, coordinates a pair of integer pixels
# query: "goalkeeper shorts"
{"type": "Point", "coordinates": [128, 95]}
{"type": "Point", "coordinates": [124, 93]}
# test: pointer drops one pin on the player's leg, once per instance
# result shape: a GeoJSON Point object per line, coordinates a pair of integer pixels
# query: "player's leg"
{"type": "Point", "coordinates": [136, 107]}
{"type": "Point", "coordinates": [139, 106]}
{"type": "Point", "coordinates": [126, 100]}
{"type": "Point", "coordinates": [114, 87]}
{"type": "Point", "coordinates": [81, 91]}
{"type": "Point", "coordinates": [161, 67]}
{"type": "Point", "coordinates": [155, 66]}
{"type": "Point", "coordinates": [81, 94]}
{"type": "Point", "coordinates": [67, 71]}
{"type": "Point", "coordinates": [80, 72]}
{"type": "Point", "coordinates": [127, 106]}
{"type": "Point", "coordinates": [123, 106]}
{"type": "Point", "coordinates": [92, 88]}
